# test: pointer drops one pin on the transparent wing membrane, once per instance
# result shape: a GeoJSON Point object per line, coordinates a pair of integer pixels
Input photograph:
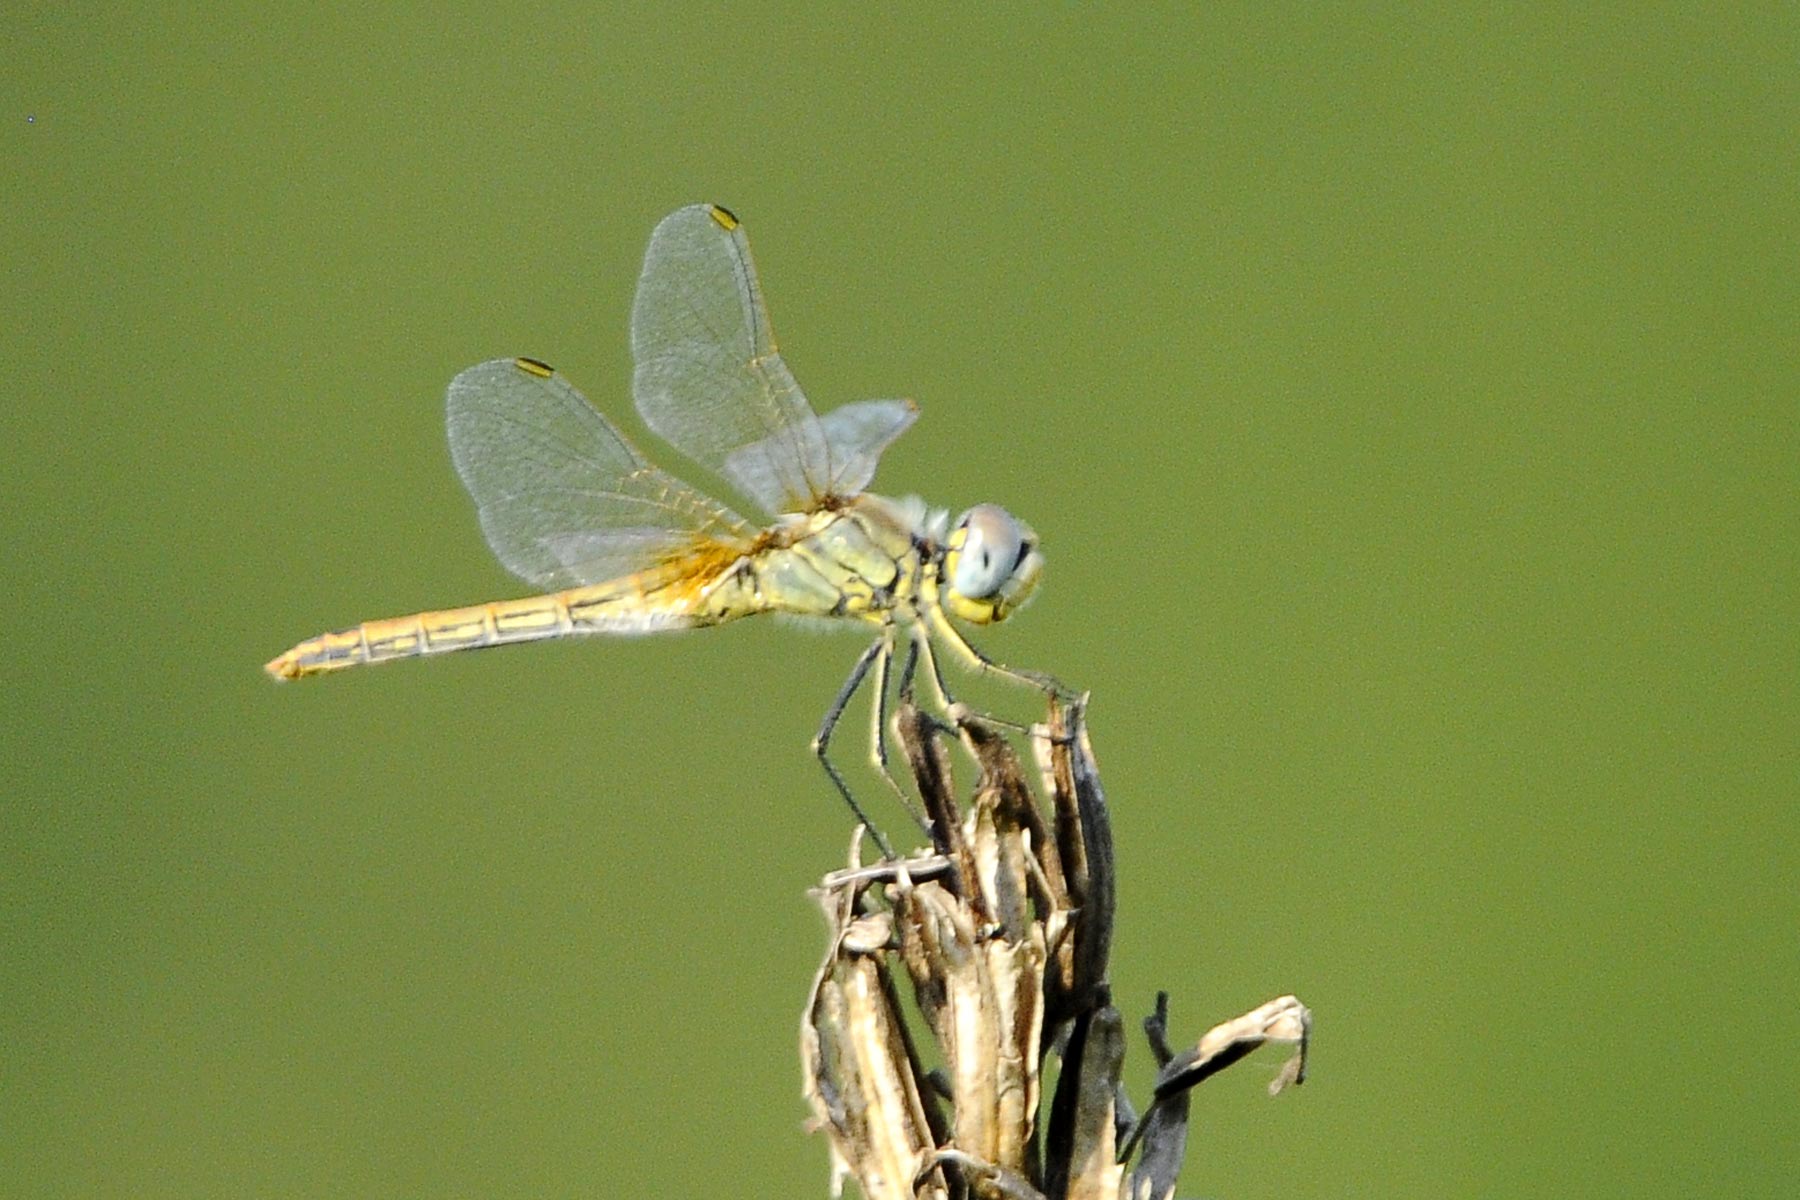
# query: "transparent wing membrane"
{"type": "Point", "coordinates": [857, 434]}
{"type": "Point", "coordinates": [564, 499]}
{"type": "Point", "coordinates": [710, 381]}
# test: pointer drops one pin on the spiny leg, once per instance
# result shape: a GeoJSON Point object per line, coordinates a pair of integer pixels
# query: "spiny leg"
{"type": "Point", "coordinates": [921, 649]}
{"type": "Point", "coordinates": [1047, 684]}
{"type": "Point", "coordinates": [822, 741]}
{"type": "Point", "coordinates": [955, 711]}
{"type": "Point", "coordinates": [908, 669]}
{"type": "Point", "coordinates": [878, 754]}
{"type": "Point", "coordinates": [1053, 689]}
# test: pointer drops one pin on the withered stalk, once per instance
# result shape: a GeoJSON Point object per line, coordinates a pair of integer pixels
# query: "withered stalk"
{"type": "Point", "coordinates": [1002, 931]}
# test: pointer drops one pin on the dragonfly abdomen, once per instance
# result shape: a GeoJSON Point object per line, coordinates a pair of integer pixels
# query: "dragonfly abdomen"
{"type": "Point", "coordinates": [426, 633]}
{"type": "Point", "coordinates": [623, 606]}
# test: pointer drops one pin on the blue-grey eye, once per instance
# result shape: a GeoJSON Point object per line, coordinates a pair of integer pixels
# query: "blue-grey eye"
{"type": "Point", "coordinates": [989, 547]}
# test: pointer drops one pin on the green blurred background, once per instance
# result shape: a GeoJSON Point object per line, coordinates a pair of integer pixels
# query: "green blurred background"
{"type": "Point", "coordinates": [1407, 403]}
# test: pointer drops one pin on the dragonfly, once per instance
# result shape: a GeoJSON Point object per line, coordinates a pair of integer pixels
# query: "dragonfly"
{"type": "Point", "coordinates": [618, 546]}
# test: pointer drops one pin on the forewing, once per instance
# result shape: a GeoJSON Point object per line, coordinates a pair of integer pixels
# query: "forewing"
{"type": "Point", "coordinates": [711, 382]}
{"type": "Point", "coordinates": [564, 499]}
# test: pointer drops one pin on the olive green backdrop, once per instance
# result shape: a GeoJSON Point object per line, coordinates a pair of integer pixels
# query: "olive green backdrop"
{"type": "Point", "coordinates": [1408, 407]}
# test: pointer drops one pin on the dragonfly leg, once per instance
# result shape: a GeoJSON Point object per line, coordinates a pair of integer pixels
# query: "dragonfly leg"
{"type": "Point", "coordinates": [878, 751]}
{"type": "Point", "coordinates": [982, 664]}
{"type": "Point", "coordinates": [921, 649]}
{"type": "Point", "coordinates": [909, 668]}
{"type": "Point", "coordinates": [821, 742]}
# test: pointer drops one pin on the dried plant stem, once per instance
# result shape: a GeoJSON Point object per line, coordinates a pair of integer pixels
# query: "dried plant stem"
{"type": "Point", "coordinates": [1001, 931]}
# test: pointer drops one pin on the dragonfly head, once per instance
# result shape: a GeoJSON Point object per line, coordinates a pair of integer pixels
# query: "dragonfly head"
{"type": "Point", "coordinates": [991, 564]}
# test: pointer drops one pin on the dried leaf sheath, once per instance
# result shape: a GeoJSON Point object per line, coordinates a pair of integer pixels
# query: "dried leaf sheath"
{"type": "Point", "coordinates": [1002, 931]}
{"type": "Point", "coordinates": [861, 1075]}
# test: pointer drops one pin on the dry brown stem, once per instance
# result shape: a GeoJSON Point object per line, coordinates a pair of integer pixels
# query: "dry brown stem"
{"type": "Point", "coordinates": [1001, 932]}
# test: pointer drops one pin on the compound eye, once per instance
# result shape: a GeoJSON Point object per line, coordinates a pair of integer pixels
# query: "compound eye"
{"type": "Point", "coordinates": [989, 545]}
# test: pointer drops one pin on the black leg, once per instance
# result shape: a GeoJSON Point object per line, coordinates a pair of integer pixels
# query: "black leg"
{"type": "Point", "coordinates": [878, 753]}
{"type": "Point", "coordinates": [911, 665]}
{"type": "Point", "coordinates": [822, 740]}
{"type": "Point", "coordinates": [921, 642]}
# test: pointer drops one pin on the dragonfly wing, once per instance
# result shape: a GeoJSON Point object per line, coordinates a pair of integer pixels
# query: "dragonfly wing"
{"type": "Point", "coordinates": [856, 434]}
{"type": "Point", "coordinates": [564, 499]}
{"type": "Point", "coordinates": [710, 381]}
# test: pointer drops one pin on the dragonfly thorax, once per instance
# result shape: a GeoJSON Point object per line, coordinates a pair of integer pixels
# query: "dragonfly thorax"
{"type": "Point", "coordinates": [874, 557]}
{"type": "Point", "coordinates": [860, 559]}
